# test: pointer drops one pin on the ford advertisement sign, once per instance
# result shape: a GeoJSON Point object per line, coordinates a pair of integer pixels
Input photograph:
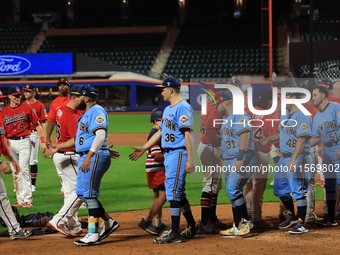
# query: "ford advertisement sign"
{"type": "Point", "coordinates": [39, 63]}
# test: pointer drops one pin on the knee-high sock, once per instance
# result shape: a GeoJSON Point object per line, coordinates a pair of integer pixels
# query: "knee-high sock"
{"type": "Point", "coordinates": [205, 207]}
{"type": "Point", "coordinates": [175, 213]}
{"type": "Point", "coordinates": [301, 209]}
{"type": "Point", "coordinates": [186, 210]}
{"type": "Point", "coordinates": [34, 174]}
{"type": "Point", "coordinates": [288, 203]}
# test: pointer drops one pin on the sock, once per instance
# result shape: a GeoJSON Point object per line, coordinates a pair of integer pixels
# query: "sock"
{"type": "Point", "coordinates": [186, 210]}
{"type": "Point", "coordinates": [93, 224]}
{"type": "Point", "coordinates": [158, 222]}
{"type": "Point", "coordinates": [149, 217]}
{"type": "Point", "coordinates": [175, 212]}
{"type": "Point", "coordinates": [213, 216]}
{"type": "Point", "coordinates": [34, 174]}
{"type": "Point", "coordinates": [240, 208]}
{"type": "Point", "coordinates": [301, 209]}
{"type": "Point", "coordinates": [331, 200]}
{"type": "Point", "coordinates": [237, 217]}
{"type": "Point", "coordinates": [288, 203]}
{"type": "Point", "coordinates": [205, 207]}
{"type": "Point", "coordinates": [95, 211]}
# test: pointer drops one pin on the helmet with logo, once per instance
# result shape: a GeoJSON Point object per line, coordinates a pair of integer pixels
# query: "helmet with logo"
{"type": "Point", "coordinates": [156, 114]}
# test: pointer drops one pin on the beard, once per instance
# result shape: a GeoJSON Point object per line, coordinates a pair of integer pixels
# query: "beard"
{"type": "Point", "coordinates": [81, 106]}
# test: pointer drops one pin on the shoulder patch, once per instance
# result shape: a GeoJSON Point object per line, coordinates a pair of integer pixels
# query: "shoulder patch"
{"type": "Point", "coordinates": [184, 119]}
{"type": "Point", "coordinates": [304, 127]}
{"type": "Point", "coordinates": [243, 122]}
{"type": "Point", "coordinates": [59, 113]}
{"type": "Point", "coordinates": [100, 119]}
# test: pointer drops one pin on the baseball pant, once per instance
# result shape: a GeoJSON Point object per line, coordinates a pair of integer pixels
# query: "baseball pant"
{"type": "Point", "coordinates": [311, 185]}
{"type": "Point", "coordinates": [175, 173]}
{"type": "Point", "coordinates": [20, 151]}
{"type": "Point", "coordinates": [6, 212]}
{"type": "Point", "coordinates": [210, 156]}
{"type": "Point", "coordinates": [68, 214]}
{"type": "Point", "coordinates": [255, 187]}
{"type": "Point", "coordinates": [35, 145]}
{"type": "Point", "coordinates": [88, 183]}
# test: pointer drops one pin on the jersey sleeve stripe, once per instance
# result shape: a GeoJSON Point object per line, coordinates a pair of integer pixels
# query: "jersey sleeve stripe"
{"type": "Point", "coordinates": [94, 130]}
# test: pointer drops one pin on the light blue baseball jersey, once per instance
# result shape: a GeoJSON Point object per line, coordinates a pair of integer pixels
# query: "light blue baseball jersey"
{"type": "Point", "coordinates": [93, 119]}
{"type": "Point", "coordinates": [174, 119]}
{"type": "Point", "coordinates": [230, 131]}
{"type": "Point", "coordinates": [291, 127]}
{"type": "Point", "coordinates": [326, 124]}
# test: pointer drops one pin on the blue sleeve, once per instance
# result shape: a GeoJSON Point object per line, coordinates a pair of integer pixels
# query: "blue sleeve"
{"type": "Point", "coordinates": [304, 125]}
{"type": "Point", "coordinates": [241, 124]}
{"type": "Point", "coordinates": [100, 120]}
{"type": "Point", "coordinates": [185, 117]}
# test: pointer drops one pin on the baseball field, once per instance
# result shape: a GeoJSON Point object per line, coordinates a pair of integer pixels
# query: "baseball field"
{"type": "Point", "coordinates": [124, 193]}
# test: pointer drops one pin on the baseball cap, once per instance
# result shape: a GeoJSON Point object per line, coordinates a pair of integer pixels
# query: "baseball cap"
{"type": "Point", "coordinates": [298, 94]}
{"type": "Point", "coordinates": [13, 91]}
{"type": "Point", "coordinates": [266, 94]}
{"type": "Point", "coordinates": [74, 90]}
{"type": "Point", "coordinates": [280, 84]}
{"type": "Point", "coordinates": [170, 82]}
{"type": "Point", "coordinates": [327, 82]}
{"type": "Point", "coordinates": [63, 81]}
{"type": "Point", "coordinates": [29, 87]}
{"type": "Point", "coordinates": [236, 82]}
{"type": "Point", "coordinates": [2, 96]}
{"type": "Point", "coordinates": [225, 95]}
{"type": "Point", "coordinates": [88, 91]}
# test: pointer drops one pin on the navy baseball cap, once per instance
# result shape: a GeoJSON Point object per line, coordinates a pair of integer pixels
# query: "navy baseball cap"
{"type": "Point", "coordinates": [298, 94]}
{"type": "Point", "coordinates": [63, 81]}
{"type": "Point", "coordinates": [280, 84]}
{"type": "Point", "coordinates": [74, 91]}
{"type": "Point", "coordinates": [236, 82]}
{"type": "Point", "coordinates": [326, 82]}
{"type": "Point", "coordinates": [2, 96]}
{"type": "Point", "coordinates": [225, 95]}
{"type": "Point", "coordinates": [29, 87]}
{"type": "Point", "coordinates": [14, 91]}
{"type": "Point", "coordinates": [170, 82]}
{"type": "Point", "coordinates": [266, 94]}
{"type": "Point", "coordinates": [88, 91]}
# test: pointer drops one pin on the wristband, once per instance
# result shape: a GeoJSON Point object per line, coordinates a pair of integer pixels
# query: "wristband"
{"type": "Point", "coordinates": [240, 155]}
{"type": "Point", "coordinates": [42, 139]}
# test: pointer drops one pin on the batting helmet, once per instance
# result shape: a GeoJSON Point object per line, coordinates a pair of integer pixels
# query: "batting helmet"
{"type": "Point", "coordinates": [156, 114]}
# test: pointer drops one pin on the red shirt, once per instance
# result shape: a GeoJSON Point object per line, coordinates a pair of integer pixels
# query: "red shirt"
{"type": "Point", "coordinates": [331, 98]}
{"type": "Point", "coordinates": [3, 145]}
{"type": "Point", "coordinates": [17, 121]}
{"type": "Point", "coordinates": [313, 110]}
{"type": "Point", "coordinates": [66, 125]}
{"type": "Point", "coordinates": [263, 126]}
{"type": "Point", "coordinates": [59, 101]}
{"type": "Point", "coordinates": [208, 132]}
{"type": "Point", "coordinates": [39, 109]}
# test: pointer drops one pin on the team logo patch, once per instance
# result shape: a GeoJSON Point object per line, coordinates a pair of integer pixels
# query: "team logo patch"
{"type": "Point", "coordinates": [171, 115]}
{"type": "Point", "coordinates": [100, 119]}
{"type": "Point", "coordinates": [304, 127]}
{"type": "Point", "coordinates": [184, 119]}
{"type": "Point", "coordinates": [243, 122]}
{"type": "Point", "coordinates": [59, 113]}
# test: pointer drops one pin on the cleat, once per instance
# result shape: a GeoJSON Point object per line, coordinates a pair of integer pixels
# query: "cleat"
{"type": "Point", "coordinates": [207, 229]}
{"type": "Point", "coordinates": [163, 229]}
{"type": "Point", "coordinates": [221, 226]}
{"type": "Point", "coordinates": [299, 228]}
{"type": "Point", "coordinates": [17, 204]}
{"type": "Point", "coordinates": [233, 231]}
{"type": "Point", "coordinates": [108, 227]}
{"type": "Point", "coordinates": [148, 227]}
{"type": "Point", "coordinates": [89, 239]}
{"type": "Point", "coordinates": [290, 220]}
{"type": "Point", "coordinates": [32, 188]}
{"type": "Point", "coordinates": [61, 229]}
{"type": "Point", "coordinates": [191, 232]}
{"type": "Point", "coordinates": [27, 204]}
{"type": "Point", "coordinates": [22, 233]}
{"type": "Point", "coordinates": [169, 238]}
{"type": "Point", "coordinates": [327, 222]}
{"type": "Point", "coordinates": [244, 227]}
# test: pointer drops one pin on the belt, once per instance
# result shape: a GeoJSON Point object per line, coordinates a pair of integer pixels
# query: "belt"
{"type": "Point", "coordinates": [173, 149]}
{"type": "Point", "coordinates": [210, 144]}
{"type": "Point", "coordinates": [67, 152]}
{"type": "Point", "coordinates": [288, 155]}
{"type": "Point", "coordinates": [82, 153]}
{"type": "Point", "coordinates": [18, 138]}
{"type": "Point", "coordinates": [330, 144]}
{"type": "Point", "coordinates": [34, 131]}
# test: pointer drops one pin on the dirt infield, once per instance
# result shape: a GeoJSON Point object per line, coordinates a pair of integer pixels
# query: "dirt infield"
{"type": "Point", "coordinates": [129, 239]}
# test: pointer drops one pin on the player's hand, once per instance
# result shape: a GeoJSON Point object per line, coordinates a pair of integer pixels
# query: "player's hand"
{"type": "Point", "coordinates": [190, 166]}
{"type": "Point", "coordinates": [113, 154]}
{"type": "Point", "coordinates": [139, 151]}
{"type": "Point", "coordinates": [43, 147]}
{"type": "Point", "coordinates": [50, 152]}
{"type": "Point", "coordinates": [5, 169]}
{"type": "Point", "coordinates": [263, 141]}
{"type": "Point", "coordinates": [238, 165]}
{"type": "Point", "coordinates": [292, 165]}
{"type": "Point", "coordinates": [85, 167]}
{"type": "Point", "coordinates": [159, 158]}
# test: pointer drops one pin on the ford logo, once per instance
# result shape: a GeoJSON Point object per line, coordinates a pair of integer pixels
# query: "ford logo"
{"type": "Point", "coordinates": [11, 65]}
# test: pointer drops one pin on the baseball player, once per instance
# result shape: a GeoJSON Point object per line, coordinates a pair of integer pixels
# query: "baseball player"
{"type": "Point", "coordinates": [209, 151]}
{"type": "Point", "coordinates": [17, 122]}
{"type": "Point", "coordinates": [94, 161]}
{"type": "Point", "coordinates": [29, 92]}
{"type": "Point", "coordinates": [155, 172]}
{"type": "Point", "coordinates": [66, 162]}
{"type": "Point", "coordinates": [237, 150]}
{"type": "Point", "coordinates": [295, 133]}
{"type": "Point", "coordinates": [256, 185]}
{"type": "Point", "coordinates": [176, 139]}
{"type": "Point", "coordinates": [6, 212]}
{"type": "Point", "coordinates": [326, 131]}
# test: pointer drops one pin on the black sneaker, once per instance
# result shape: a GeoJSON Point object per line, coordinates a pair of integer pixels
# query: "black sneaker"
{"type": "Point", "coordinates": [108, 227]}
{"type": "Point", "coordinates": [191, 232]}
{"type": "Point", "coordinates": [22, 233]}
{"type": "Point", "coordinates": [290, 220]}
{"type": "Point", "coordinates": [299, 228]}
{"type": "Point", "coordinates": [327, 222]}
{"type": "Point", "coordinates": [169, 238]}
